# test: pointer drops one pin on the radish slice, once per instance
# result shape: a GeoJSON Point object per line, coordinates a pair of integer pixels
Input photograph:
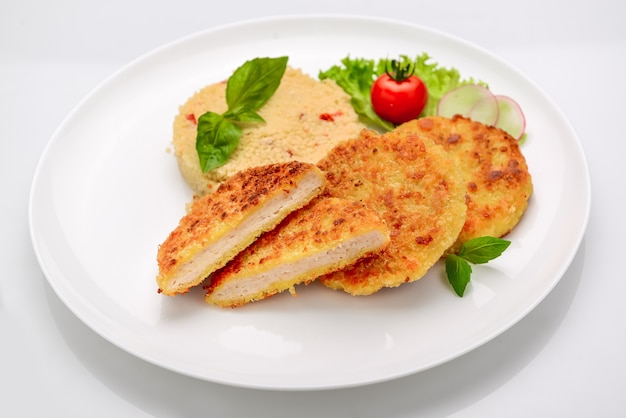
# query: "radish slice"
{"type": "Point", "coordinates": [485, 110]}
{"type": "Point", "coordinates": [511, 118]}
{"type": "Point", "coordinates": [460, 100]}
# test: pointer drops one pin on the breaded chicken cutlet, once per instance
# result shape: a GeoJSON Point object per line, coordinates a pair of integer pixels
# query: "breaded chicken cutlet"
{"type": "Point", "coordinates": [324, 236]}
{"type": "Point", "coordinates": [498, 184]}
{"type": "Point", "coordinates": [220, 225]}
{"type": "Point", "coordinates": [416, 188]}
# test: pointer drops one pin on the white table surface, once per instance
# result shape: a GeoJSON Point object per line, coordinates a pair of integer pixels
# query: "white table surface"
{"type": "Point", "coordinates": [565, 359]}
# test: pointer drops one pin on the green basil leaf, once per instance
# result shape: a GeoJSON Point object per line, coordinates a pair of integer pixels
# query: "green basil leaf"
{"type": "Point", "coordinates": [244, 115]}
{"type": "Point", "coordinates": [216, 139]}
{"type": "Point", "coordinates": [247, 90]}
{"type": "Point", "coordinates": [483, 249]}
{"type": "Point", "coordinates": [252, 84]}
{"type": "Point", "coordinates": [459, 272]}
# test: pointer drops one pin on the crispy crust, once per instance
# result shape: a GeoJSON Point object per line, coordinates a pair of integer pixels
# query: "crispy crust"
{"type": "Point", "coordinates": [324, 236]}
{"type": "Point", "coordinates": [213, 220]}
{"type": "Point", "coordinates": [414, 185]}
{"type": "Point", "coordinates": [498, 184]}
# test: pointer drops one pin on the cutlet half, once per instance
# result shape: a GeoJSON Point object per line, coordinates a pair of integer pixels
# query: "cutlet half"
{"type": "Point", "coordinates": [498, 183]}
{"type": "Point", "coordinates": [220, 225]}
{"type": "Point", "coordinates": [324, 236]}
{"type": "Point", "coordinates": [415, 187]}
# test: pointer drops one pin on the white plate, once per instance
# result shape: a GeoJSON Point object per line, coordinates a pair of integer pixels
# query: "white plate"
{"type": "Point", "coordinates": [107, 192]}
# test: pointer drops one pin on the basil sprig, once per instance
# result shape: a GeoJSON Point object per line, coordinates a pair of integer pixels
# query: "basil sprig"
{"type": "Point", "coordinates": [247, 90]}
{"type": "Point", "coordinates": [476, 251]}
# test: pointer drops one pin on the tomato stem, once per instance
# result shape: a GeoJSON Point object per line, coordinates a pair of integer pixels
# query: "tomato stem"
{"type": "Point", "coordinates": [400, 71]}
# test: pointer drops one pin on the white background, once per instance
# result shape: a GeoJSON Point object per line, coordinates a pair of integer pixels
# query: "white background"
{"type": "Point", "coordinates": [566, 358]}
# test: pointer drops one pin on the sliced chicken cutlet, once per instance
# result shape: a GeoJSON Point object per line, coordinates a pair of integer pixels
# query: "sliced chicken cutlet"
{"type": "Point", "coordinates": [220, 225]}
{"type": "Point", "coordinates": [416, 188]}
{"type": "Point", "coordinates": [498, 184]}
{"type": "Point", "coordinates": [326, 235]}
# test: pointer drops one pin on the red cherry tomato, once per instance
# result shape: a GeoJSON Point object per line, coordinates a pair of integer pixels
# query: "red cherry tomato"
{"type": "Point", "coordinates": [398, 97]}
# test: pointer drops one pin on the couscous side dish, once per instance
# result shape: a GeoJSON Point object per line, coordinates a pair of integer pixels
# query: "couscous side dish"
{"type": "Point", "coordinates": [305, 118]}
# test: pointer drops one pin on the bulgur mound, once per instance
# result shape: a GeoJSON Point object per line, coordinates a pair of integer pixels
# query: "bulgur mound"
{"type": "Point", "coordinates": [305, 118]}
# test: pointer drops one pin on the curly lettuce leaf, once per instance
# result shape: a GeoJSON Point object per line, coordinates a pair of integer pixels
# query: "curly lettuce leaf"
{"type": "Point", "coordinates": [356, 76]}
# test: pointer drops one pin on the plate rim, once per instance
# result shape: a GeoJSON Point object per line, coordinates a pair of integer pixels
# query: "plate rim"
{"type": "Point", "coordinates": [574, 249]}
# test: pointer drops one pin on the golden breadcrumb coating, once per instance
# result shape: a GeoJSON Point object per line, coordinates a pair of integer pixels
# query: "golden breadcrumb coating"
{"type": "Point", "coordinates": [498, 184]}
{"type": "Point", "coordinates": [303, 120]}
{"type": "Point", "coordinates": [326, 235]}
{"type": "Point", "coordinates": [414, 185]}
{"type": "Point", "coordinates": [221, 224]}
